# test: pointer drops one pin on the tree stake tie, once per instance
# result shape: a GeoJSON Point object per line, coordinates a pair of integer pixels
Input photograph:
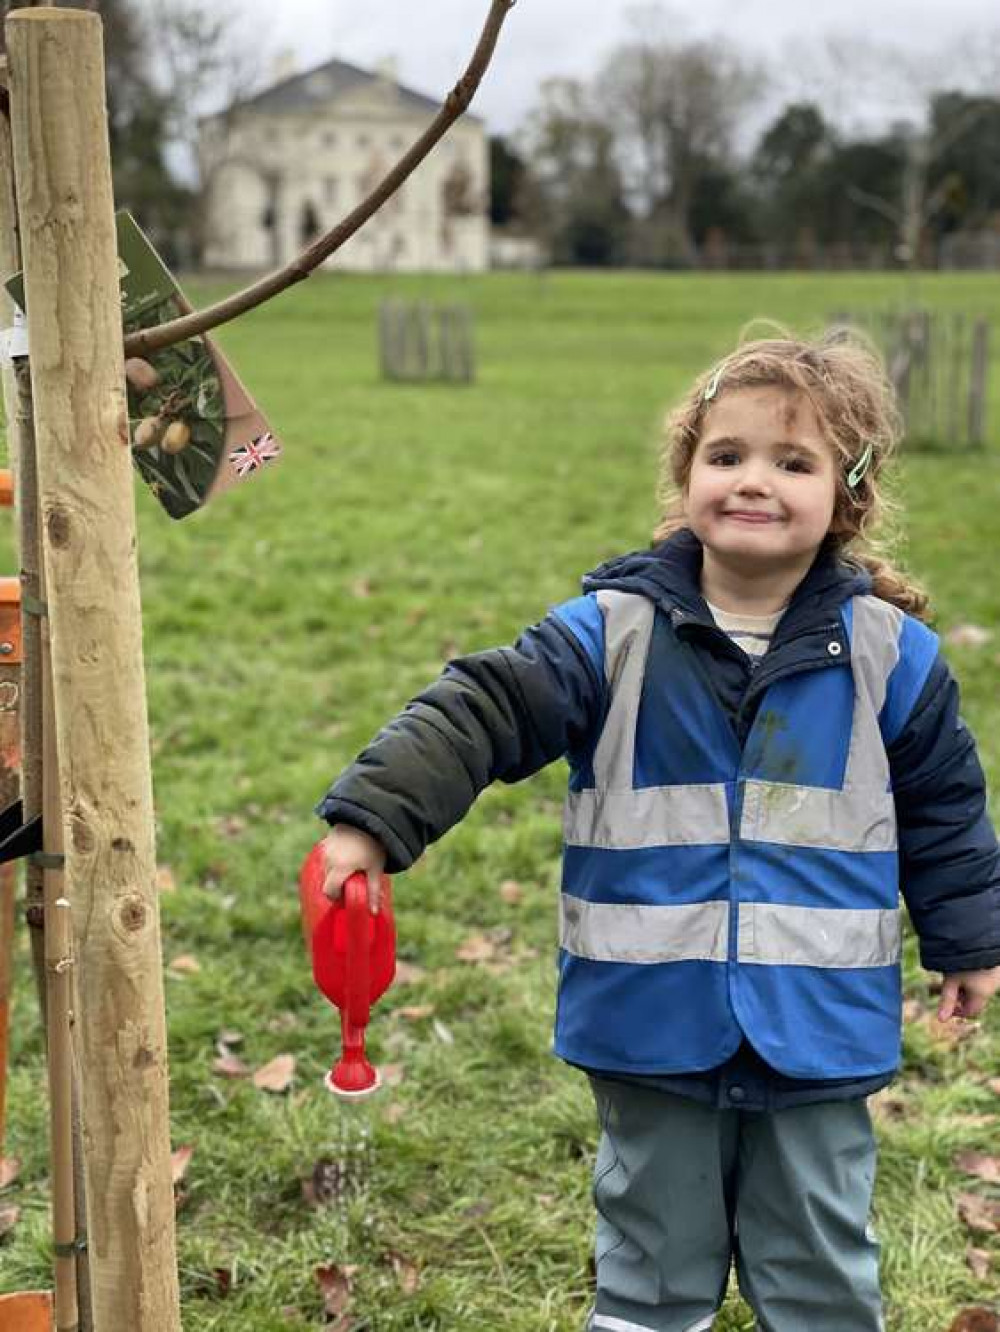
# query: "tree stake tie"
{"type": "Point", "coordinates": [354, 961]}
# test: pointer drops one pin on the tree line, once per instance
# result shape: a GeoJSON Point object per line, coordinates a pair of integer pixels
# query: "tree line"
{"type": "Point", "coordinates": [648, 163]}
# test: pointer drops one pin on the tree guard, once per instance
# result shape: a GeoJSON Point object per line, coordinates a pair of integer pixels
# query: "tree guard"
{"type": "Point", "coordinates": [63, 180]}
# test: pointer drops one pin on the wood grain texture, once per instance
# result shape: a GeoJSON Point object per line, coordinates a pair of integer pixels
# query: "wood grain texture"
{"type": "Point", "coordinates": [65, 207]}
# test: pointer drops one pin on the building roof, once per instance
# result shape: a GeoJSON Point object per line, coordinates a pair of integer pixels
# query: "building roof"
{"type": "Point", "coordinates": [301, 91]}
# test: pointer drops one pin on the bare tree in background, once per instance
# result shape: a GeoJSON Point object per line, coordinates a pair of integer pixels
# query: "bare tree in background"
{"type": "Point", "coordinates": [675, 105]}
{"type": "Point", "coordinates": [899, 85]}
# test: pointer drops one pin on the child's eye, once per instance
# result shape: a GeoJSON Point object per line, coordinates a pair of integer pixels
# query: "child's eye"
{"type": "Point", "coordinates": [724, 458]}
{"type": "Point", "coordinates": [796, 465]}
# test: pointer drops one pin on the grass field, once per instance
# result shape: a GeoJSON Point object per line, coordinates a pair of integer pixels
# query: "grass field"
{"type": "Point", "coordinates": [283, 626]}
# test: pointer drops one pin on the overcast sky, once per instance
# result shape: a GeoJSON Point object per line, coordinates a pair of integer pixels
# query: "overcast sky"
{"type": "Point", "coordinates": [432, 39]}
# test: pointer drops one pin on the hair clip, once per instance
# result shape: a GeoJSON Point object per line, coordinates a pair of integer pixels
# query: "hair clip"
{"type": "Point", "coordinates": [860, 467]}
{"type": "Point", "coordinates": [713, 385]}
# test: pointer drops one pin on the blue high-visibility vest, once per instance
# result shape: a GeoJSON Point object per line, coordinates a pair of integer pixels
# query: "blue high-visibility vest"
{"type": "Point", "coordinates": [711, 892]}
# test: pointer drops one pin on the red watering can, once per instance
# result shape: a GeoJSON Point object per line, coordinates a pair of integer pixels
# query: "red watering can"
{"type": "Point", "coordinates": [354, 961]}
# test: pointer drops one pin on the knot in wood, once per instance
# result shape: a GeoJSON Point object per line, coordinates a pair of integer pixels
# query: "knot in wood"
{"type": "Point", "coordinates": [132, 913]}
{"type": "Point", "coordinates": [59, 527]}
{"type": "Point", "coordinates": [84, 840]}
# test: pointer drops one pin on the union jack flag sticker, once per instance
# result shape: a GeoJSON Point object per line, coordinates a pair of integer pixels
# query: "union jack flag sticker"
{"type": "Point", "coordinates": [249, 457]}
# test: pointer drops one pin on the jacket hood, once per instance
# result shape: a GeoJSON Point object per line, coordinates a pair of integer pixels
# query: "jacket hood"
{"type": "Point", "coordinates": [669, 574]}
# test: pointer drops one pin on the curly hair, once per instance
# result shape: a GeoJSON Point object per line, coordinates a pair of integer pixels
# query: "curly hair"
{"type": "Point", "coordinates": [845, 380]}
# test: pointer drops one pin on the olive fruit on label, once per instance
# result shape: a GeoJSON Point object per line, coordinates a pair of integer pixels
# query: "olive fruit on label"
{"type": "Point", "coordinates": [176, 438]}
{"type": "Point", "coordinates": [148, 432]}
{"type": "Point", "coordinates": [140, 374]}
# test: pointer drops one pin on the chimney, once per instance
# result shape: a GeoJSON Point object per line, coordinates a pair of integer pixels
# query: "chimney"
{"type": "Point", "coordinates": [284, 66]}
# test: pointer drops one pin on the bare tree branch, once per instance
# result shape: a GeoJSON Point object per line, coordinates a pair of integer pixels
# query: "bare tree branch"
{"type": "Point", "coordinates": [456, 103]}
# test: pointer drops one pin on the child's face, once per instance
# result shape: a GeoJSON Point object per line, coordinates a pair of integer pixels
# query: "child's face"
{"type": "Point", "coordinates": [762, 486]}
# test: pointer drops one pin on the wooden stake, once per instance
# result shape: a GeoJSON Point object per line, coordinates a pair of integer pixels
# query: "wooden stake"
{"type": "Point", "coordinates": [67, 232]}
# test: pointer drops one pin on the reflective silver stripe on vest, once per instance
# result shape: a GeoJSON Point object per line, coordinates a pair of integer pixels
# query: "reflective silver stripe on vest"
{"type": "Point", "coordinates": [768, 934]}
{"type": "Point", "coordinates": [648, 816]}
{"type": "Point", "coordinates": [616, 816]}
{"type": "Point", "coordinates": [644, 934]}
{"type": "Point", "coordinates": [794, 936]}
{"type": "Point", "coordinates": [861, 816]}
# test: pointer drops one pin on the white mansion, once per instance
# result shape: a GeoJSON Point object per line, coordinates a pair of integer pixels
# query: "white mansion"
{"type": "Point", "coordinates": [284, 166]}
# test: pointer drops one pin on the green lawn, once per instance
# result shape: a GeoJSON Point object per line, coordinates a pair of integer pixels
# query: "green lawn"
{"type": "Point", "coordinates": [283, 625]}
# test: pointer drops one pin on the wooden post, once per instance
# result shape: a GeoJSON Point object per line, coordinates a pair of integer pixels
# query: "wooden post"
{"type": "Point", "coordinates": [63, 178]}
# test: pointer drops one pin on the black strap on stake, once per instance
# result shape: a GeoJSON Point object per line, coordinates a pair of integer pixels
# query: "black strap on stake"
{"type": "Point", "coordinates": [17, 838]}
{"type": "Point", "coordinates": [70, 1250]}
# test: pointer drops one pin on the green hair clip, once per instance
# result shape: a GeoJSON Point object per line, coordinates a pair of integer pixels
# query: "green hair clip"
{"type": "Point", "coordinates": [713, 385]}
{"type": "Point", "coordinates": [860, 467]}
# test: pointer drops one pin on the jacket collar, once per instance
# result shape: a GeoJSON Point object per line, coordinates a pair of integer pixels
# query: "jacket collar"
{"type": "Point", "coordinates": [670, 574]}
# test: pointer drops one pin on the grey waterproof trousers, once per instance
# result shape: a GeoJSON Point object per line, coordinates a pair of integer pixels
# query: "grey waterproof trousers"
{"type": "Point", "coordinates": [683, 1189]}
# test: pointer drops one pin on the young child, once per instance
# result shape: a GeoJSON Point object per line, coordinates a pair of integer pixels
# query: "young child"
{"type": "Point", "coordinates": [765, 750]}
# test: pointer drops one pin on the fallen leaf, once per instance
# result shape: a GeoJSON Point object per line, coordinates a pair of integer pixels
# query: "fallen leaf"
{"type": "Point", "coordinates": [443, 1033]}
{"type": "Point", "coordinates": [414, 1012]}
{"type": "Point", "coordinates": [994, 1085]}
{"type": "Point", "coordinates": [408, 974]}
{"type": "Point", "coordinates": [394, 1113]}
{"type": "Point", "coordinates": [277, 1075]}
{"type": "Point", "coordinates": [972, 1121]}
{"type": "Point", "coordinates": [476, 949]}
{"type": "Point", "coordinates": [979, 1213]}
{"type": "Point", "coordinates": [391, 1074]}
{"type": "Point", "coordinates": [232, 825]}
{"type": "Point", "coordinates": [10, 1168]}
{"type": "Point", "coordinates": [407, 1273]}
{"type": "Point", "coordinates": [179, 1162]}
{"type": "Point", "coordinates": [913, 1010]}
{"type": "Point", "coordinates": [976, 1320]}
{"type": "Point", "coordinates": [887, 1105]}
{"type": "Point", "coordinates": [227, 1038]}
{"type": "Point", "coordinates": [9, 1217]}
{"type": "Point", "coordinates": [223, 1280]}
{"type": "Point", "coordinates": [980, 1165]}
{"type": "Point", "coordinates": [361, 588]}
{"type": "Point", "coordinates": [165, 882]}
{"type": "Point", "coordinates": [230, 1066]}
{"type": "Point", "coordinates": [186, 963]}
{"type": "Point", "coordinates": [511, 892]}
{"type": "Point", "coordinates": [335, 1283]}
{"type": "Point", "coordinates": [968, 635]}
{"type": "Point", "coordinates": [980, 1262]}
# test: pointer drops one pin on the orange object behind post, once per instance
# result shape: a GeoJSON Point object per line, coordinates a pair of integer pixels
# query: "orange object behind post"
{"type": "Point", "coordinates": [29, 1312]}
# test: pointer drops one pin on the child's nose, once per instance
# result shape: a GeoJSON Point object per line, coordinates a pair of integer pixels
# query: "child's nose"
{"type": "Point", "coordinates": [754, 478]}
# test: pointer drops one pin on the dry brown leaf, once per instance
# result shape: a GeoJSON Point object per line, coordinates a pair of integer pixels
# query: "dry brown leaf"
{"type": "Point", "coordinates": [477, 949]}
{"type": "Point", "coordinates": [407, 973]}
{"type": "Point", "coordinates": [391, 1074]}
{"type": "Point", "coordinates": [394, 1113]}
{"type": "Point", "coordinates": [9, 1217]}
{"type": "Point", "coordinates": [994, 1086]}
{"type": "Point", "coordinates": [511, 892]}
{"type": "Point", "coordinates": [186, 963]}
{"type": "Point", "coordinates": [968, 635]}
{"type": "Point", "coordinates": [230, 1066]}
{"type": "Point", "coordinates": [165, 881]}
{"type": "Point", "coordinates": [336, 1284]}
{"type": "Point", "coordinates": [979, 1213]}
{"type": "Point", "coordinates": [277, 1075]}
{"type": "Point", "coordinates": [977, 1319]}
{"type": "Point", "coordinates": [228, 1038]}
{"type": "Point", "coordinates": [10, 1168]}
{"type": "Point", "coordinates": [414, 1012]}
{"type": "Point", "coordinates": [913, 1010]}
{"type": "Point", "coordinates": [361, 588]}
{"type": "Point", "coordinates": [973, 1121]}
{"type": "Point", "coordinates": [980, 1165]}
{"type": "Point", "coordinates": [180, 1159]}
{"type": "Point", "coordinates": [407, 1273]}
{"type": "Point", "coordinates": [980, 1261]}
{"type": "Point", "coordinates": [887, 1105]}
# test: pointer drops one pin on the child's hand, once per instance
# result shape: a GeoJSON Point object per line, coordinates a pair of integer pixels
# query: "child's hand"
{"type": "Point", "coordinates": [348, 851]}
{"type": "Point", "coordinates": [966, 993]}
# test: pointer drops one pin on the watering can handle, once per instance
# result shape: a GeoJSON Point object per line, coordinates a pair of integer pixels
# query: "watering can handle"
{"type": "Point", "coordinates": [357, 992]}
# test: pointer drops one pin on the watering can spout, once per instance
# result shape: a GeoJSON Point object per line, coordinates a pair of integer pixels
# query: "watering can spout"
{"type": "Point", "coordinates": [354, 961]}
